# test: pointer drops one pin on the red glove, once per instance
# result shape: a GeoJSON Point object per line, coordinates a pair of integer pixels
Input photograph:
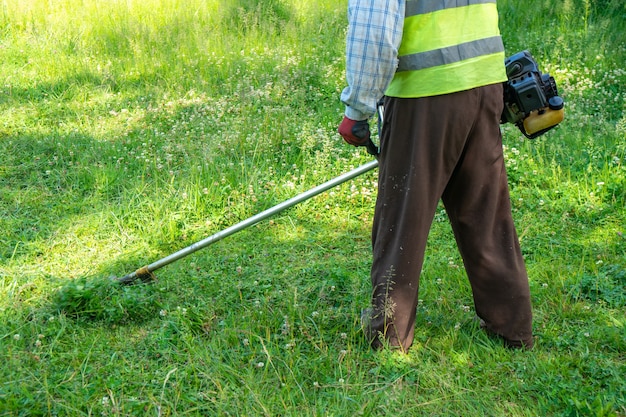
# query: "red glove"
{"type": "Point", "coordinates": [355, 132]}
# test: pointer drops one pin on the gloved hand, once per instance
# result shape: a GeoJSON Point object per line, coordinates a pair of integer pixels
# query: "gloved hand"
{"type": "Point", "coordinates": [355, 132]}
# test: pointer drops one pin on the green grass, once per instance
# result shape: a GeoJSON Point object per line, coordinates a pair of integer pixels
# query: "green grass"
{"type": "Point", "coordinates": [130, 130]}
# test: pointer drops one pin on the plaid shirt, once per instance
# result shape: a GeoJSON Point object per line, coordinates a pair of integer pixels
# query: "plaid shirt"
{"type": "Point", "coordinates": [374, 35]}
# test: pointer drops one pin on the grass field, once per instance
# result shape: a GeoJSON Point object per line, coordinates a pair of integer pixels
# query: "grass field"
{"type": "Point", "coordinates": [131, 129]}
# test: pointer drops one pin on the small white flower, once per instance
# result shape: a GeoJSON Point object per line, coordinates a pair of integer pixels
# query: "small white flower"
{"type": "Point", "coordinates": [17, 336]}
{"type": "Point", "coordinates": [163, 313]}
{"type": "Point", "coordinates": [260, 365]}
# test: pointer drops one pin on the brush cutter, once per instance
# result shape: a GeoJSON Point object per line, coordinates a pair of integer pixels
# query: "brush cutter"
{"type": "Point", "coordinates": [146, 273]}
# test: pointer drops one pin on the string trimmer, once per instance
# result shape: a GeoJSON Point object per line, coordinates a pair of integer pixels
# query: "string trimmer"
{"type": "Point", "coordinates": [146, 273]}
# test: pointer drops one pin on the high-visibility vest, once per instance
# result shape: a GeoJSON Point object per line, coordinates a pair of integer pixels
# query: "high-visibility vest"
{"type": "Point", "coordinates": [448, 46]}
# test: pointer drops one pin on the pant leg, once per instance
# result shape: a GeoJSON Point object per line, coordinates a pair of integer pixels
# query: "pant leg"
{"type": "Point", "coordinates": [446, 146]}
{"type": "Point", "coordinates": [422, 141]}
{"type": "Point", "coordinates": [478, 204]}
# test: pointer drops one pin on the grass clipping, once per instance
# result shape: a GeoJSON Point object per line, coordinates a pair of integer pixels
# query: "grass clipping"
{"type": "Point", "coordinates": [103, 299]}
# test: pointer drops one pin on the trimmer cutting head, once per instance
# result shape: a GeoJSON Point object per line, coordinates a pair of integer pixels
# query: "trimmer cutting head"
{"type": "Point", "coordinates": [142, 274]}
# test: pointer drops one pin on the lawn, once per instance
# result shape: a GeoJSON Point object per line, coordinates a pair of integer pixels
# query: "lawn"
{"type": "Point", "coordinates": [132, 129]}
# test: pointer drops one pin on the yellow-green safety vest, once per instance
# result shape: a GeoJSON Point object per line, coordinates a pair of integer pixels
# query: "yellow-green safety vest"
{"type": "Point", "coordinates": [448, 46]}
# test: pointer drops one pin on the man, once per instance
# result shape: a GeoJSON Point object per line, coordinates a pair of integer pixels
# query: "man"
{"type": "Point", "coordinates": [440, 66]}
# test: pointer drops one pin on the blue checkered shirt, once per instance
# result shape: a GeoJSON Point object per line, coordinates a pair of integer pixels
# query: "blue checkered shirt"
{"type": "Point", "coordinates": [374, 35]}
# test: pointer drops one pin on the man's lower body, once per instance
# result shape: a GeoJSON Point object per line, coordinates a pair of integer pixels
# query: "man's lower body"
{"type": "Point", "coordinates": [446, 148]}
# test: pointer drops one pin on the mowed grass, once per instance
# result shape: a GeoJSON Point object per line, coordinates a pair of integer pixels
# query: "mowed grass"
{"type": "Point", "coordinates": [129, 130]}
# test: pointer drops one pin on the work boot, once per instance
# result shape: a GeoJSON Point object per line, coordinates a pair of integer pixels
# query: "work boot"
{"type": "Point", "coordinates": [511, 344]}
{"type": "Point", "coordinates": [372, 336]}
{"type": "Point", "coordinates": [366, 320]}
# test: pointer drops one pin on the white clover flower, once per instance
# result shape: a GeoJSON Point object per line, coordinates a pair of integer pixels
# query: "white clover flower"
{"type": "Point", "coordinates": [17, 336]}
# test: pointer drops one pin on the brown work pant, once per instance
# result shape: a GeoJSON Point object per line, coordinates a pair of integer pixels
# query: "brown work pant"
{"type": "Point", "coordinates": [446, 147]}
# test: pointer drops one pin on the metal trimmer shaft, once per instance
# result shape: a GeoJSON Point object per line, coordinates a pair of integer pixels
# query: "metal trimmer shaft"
{"type": "Point", "coordinates": [145, 274]}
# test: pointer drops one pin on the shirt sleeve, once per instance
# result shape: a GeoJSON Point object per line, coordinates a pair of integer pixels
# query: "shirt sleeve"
{"type": "Point", "coordinates": [374, 35]}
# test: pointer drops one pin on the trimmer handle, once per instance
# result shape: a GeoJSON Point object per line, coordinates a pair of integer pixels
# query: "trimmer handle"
{"type": "Point", "coordinates": [372, 149]}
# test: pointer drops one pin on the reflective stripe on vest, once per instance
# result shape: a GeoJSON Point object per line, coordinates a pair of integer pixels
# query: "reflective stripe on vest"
{"type": "Point", "coordinates": [414, 7]}
{"type": "Point", "coordinates": [448, 46]}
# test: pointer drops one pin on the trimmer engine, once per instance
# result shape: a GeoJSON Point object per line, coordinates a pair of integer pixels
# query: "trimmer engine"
{"type": "Point", "coordinates": [531, 99]}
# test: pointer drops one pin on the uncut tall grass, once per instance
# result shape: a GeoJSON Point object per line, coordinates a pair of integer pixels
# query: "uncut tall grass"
{"type": "Point", "coordinates": [130, 129]}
